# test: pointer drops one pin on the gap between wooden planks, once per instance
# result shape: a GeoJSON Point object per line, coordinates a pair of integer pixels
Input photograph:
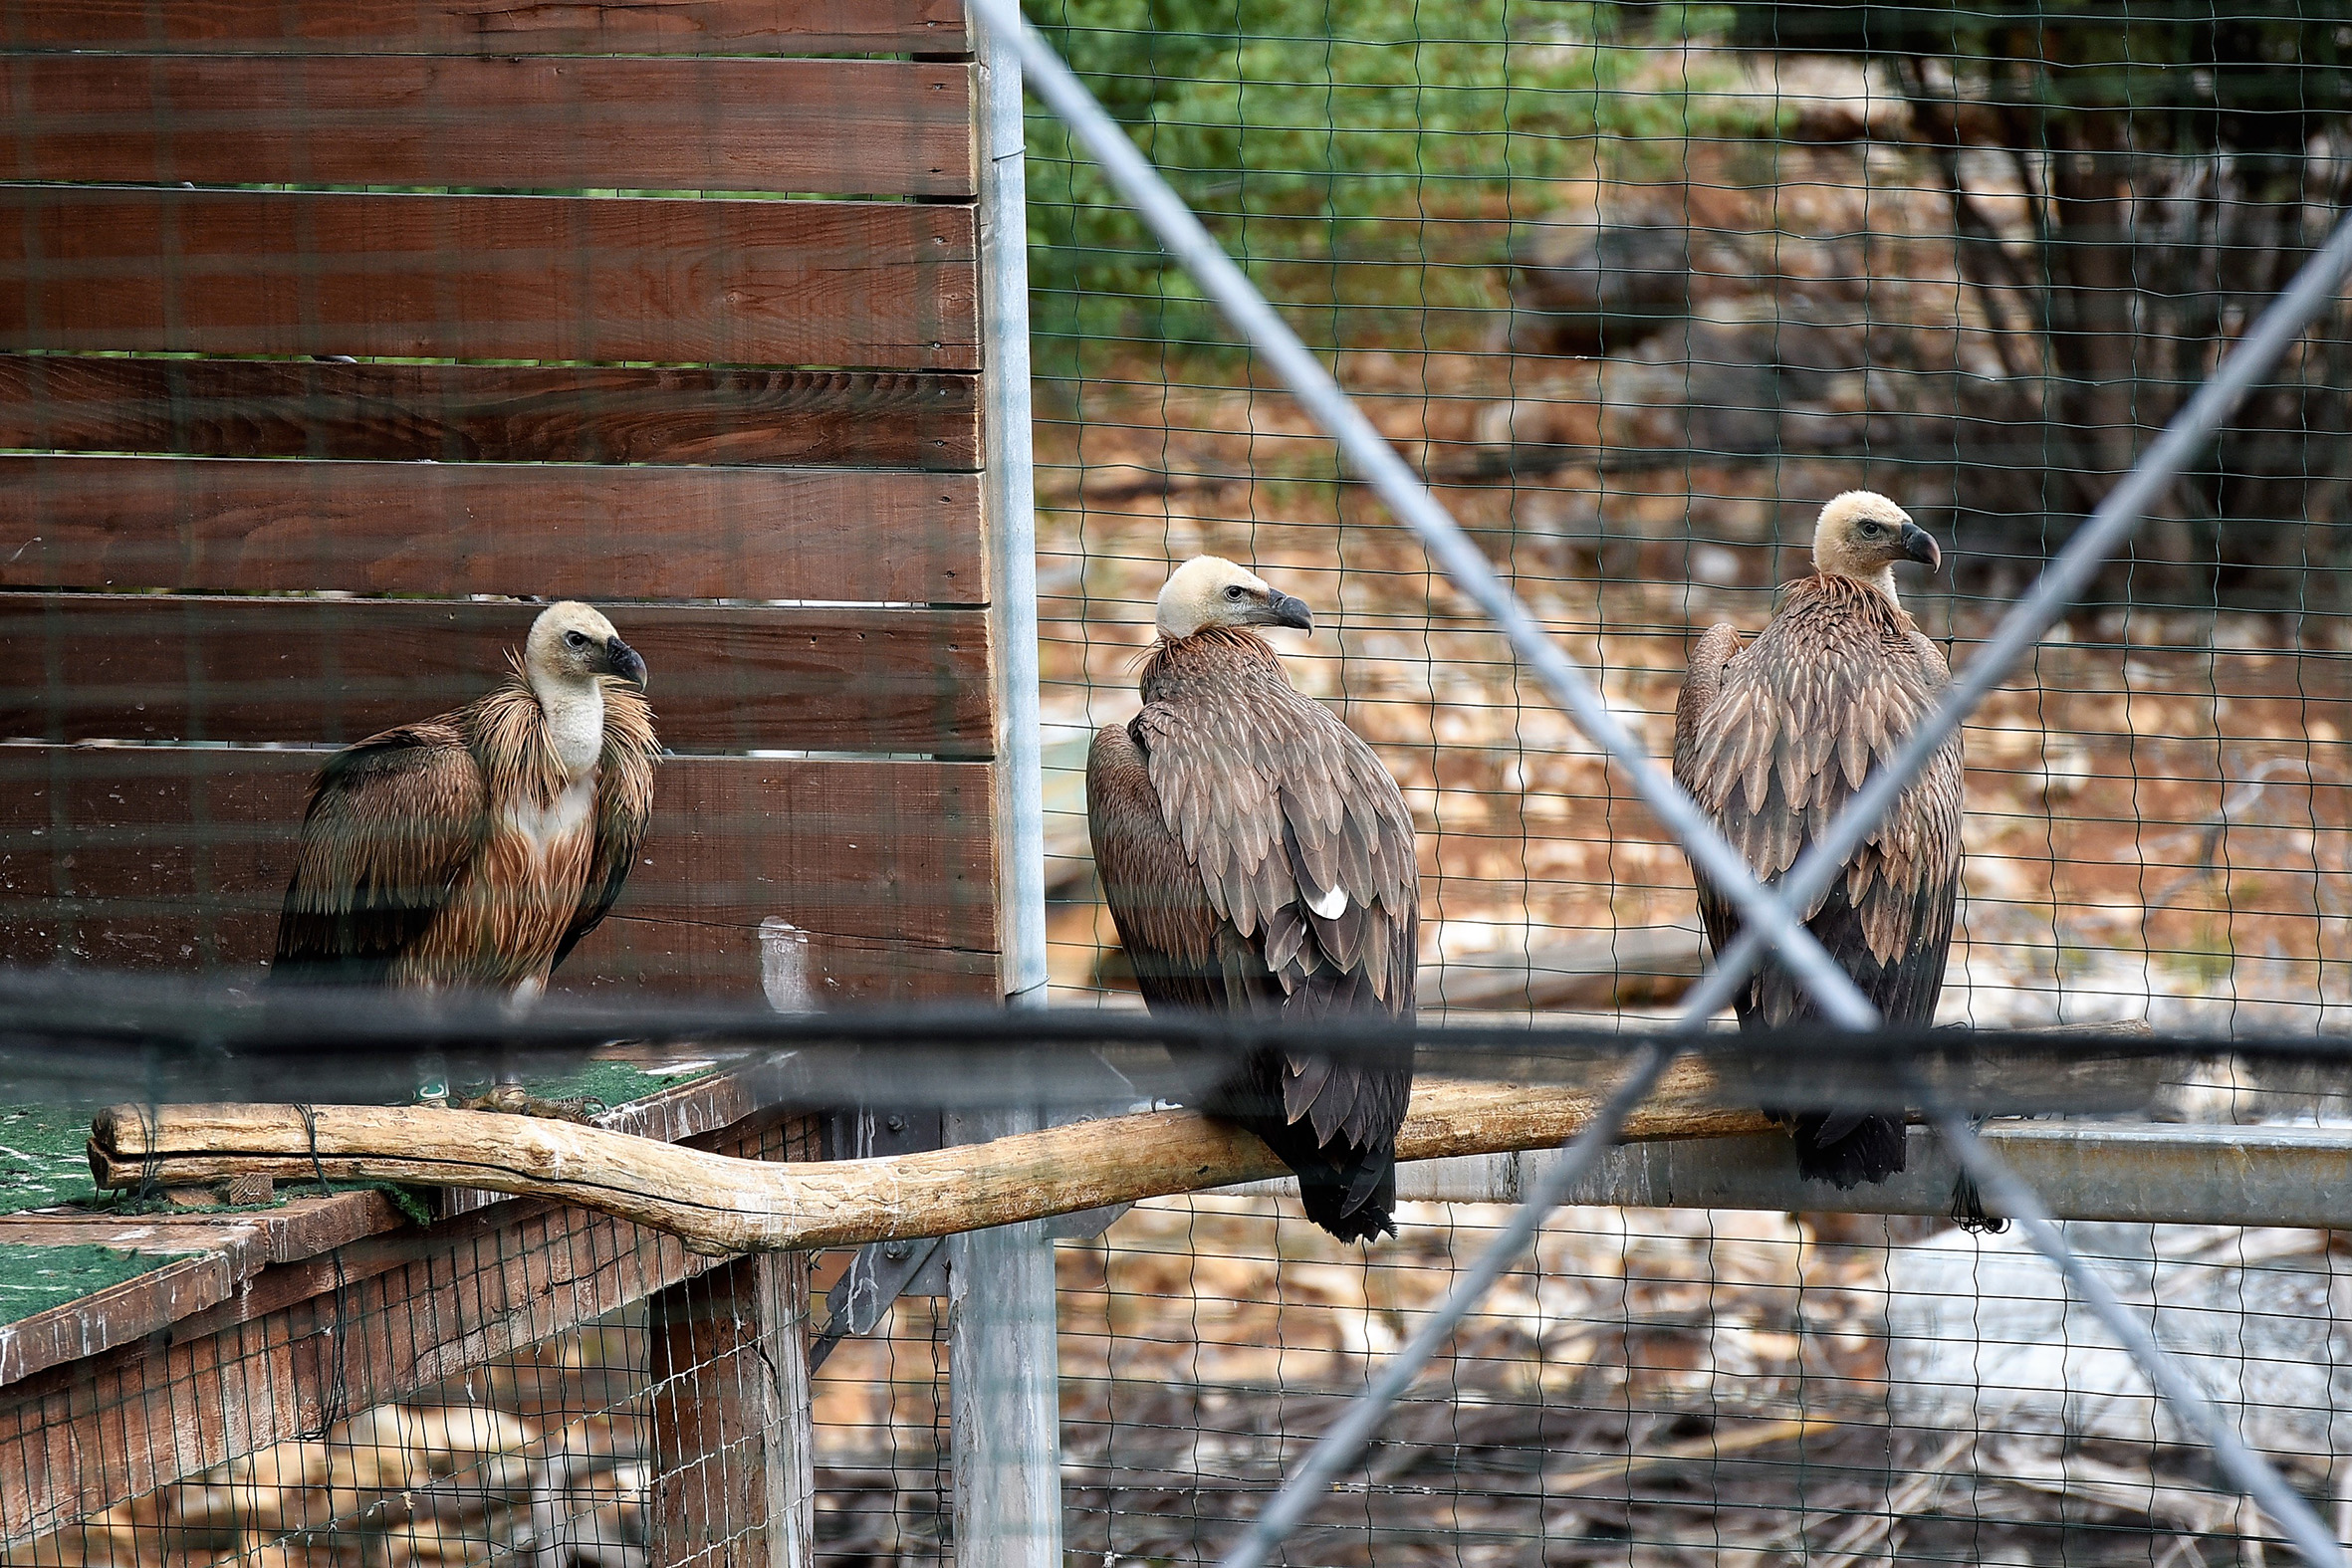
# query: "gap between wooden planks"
{"type": "Point", "coordinates": [718, 1205]}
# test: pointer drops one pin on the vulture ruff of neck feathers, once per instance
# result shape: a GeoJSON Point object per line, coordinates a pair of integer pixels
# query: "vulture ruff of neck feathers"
{"type": "Point", "coordinates": [1773, 738]}
{"type": "Point", "coordinates": [1259, 861]}
{"type": "Point", "coordinates": [475, 849]}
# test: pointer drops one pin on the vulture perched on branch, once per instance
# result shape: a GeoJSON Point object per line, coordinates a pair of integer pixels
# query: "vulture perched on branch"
{"type": "Point", "coordinates": [475, 849]}
{"type": "Point", "coordinates": [1772, 739]}
{"type": "Point", "coordinates": [1259, 862]}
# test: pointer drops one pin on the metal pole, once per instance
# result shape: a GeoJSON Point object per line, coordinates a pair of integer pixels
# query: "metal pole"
{"type": "Point", "coordinates": [1009, 497]}
{"type": "Point", "coordinates": [1370, 455]}
{"type": "Point", "coordinates": [1005, 1414]}
{"type": "Point", "coordinates": [1338, 1446]}
{"type": "Point", "coordinates": [2313, 290]}
{"type": "Point", "coordinates": [2252, 1474]}
{"type": "Point", "coordinates": [1003, 1390]}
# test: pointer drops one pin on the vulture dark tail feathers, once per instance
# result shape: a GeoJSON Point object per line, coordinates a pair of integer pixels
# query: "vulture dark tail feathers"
{"type": "Point", "coordinates": [1845, 1148]}
{"type": "Point", "coordinates": [1351, 1195]}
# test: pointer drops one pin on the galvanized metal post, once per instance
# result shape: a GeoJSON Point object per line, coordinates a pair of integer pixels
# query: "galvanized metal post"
{"type": "Point", "coordinates": [1009, 500]}
{"type": "Point", "coordinates": [1005, 1394]}
{"type": "Point", "coordinates": [1005, 1416]}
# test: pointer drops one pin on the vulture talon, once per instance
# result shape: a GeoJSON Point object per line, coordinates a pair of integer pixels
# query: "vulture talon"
{"type": "Point", "coordinates": [1773, 738]}
{"type": "Point", "coordinates": [508, 1099]}
{"type": "Point", "coordinates": [1258, 860]}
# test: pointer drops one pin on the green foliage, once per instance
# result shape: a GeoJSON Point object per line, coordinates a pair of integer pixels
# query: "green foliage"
{"type": "Point", "coordinates": [1302, 131]}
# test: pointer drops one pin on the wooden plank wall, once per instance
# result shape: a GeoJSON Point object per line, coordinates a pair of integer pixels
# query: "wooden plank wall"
{"type": "Point", "coordinates": [333, 333]}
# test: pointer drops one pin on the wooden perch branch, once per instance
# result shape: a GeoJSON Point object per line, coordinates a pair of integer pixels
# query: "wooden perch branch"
{"type": "Point", "coordinates": [715, 1204]}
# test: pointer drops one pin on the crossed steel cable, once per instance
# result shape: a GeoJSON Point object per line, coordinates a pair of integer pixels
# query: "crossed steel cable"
{"type": "Point", "coordinates": [1770, 917]}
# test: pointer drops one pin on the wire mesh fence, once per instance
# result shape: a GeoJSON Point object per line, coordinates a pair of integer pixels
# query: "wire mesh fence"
{"type": "Point", "coordinates": [1638, 293]}
{"type": "Point", "coordinates": [335, 345]}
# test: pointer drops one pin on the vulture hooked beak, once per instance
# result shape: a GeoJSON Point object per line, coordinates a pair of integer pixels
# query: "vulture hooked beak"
{"type": "Point", "coordinates": [1285, 611]}
{"type": "Point", "coordinates": [624, 661]}
{"type": "Point", "coordinates": [1920, 545]}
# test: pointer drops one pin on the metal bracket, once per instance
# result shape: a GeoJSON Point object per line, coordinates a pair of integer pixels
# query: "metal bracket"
{"type": "Point", "coordinates": [877, 1277]}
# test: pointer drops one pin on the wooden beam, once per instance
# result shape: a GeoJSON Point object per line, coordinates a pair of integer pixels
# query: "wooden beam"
{"type": "Point", "coordinates": [472, 27]}
{"type": "Point", "coordinates": [877, 285]}
{"type": "Point", "coordinates": [248, 670]}
{"type": "Point", "coordinates": [491, 414]}
{"type": "Point", "coordinates": [718, 1205]}
{"type": "Point", "coordinates": [508, 529]}
{"type": "Point", "coordinates": [734, 1472]}
{"type": "Point", "coordinates": [842, 127]}
{"type": "Point", "coordinates": [1633, 965]}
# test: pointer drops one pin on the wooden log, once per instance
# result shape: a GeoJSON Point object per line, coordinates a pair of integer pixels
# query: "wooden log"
{"type": "Point", "coordinates": [842, 127]}
{"type": "Point", "coordinates": [1637, 966]}
{"type": "Point", "coordinates": [718, 1205]}
{"type": "Point", "coordinates": [876, 285]}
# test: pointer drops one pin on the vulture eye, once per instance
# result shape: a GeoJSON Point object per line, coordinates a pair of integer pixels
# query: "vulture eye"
{"type": "Point", "coordinates": [1872, 529]}
{"type": "Point", "coordinates": [1234, 592]}
{"type": "Point", "coordinates": [576, 639]}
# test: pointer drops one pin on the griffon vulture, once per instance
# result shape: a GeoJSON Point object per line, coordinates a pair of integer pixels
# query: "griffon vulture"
{"type": "Point", "coordinates": [1772, 739]}
{"type": "Point", "coordinates": [1259, 860]}
{"type": "Point", "coordinates": [475, 849]}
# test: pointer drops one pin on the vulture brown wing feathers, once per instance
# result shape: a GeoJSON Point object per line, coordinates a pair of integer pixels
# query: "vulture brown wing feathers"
{"type": "Point", "coordinates": [624, 806]}
{"type": "Point", "coordinates": [1700, 689]}
{"type": "Point", "coordinates": [393, 822]}
{"type": "Point", "coordinates": [1164, 919]}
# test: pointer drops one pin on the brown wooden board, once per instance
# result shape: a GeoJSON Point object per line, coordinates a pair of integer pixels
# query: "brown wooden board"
{"type": "Point", "coordinates": [176, 859]}
{"type": "Point", "coordinates": [591, 533]}
{"type": "Point", "coordinates": [171, 1289]}
{"type": "Point", "coordinates": [311, 1341]}
{"type": "Point", "coordinates": [630, 957]}
{"type": "Point", "coordinates": [875, 285]}
{"type": "Point", "coordinates": [465, 27]}
{"type": "Point", "coordinates": [456, 414]}
{"type": "Point", "coordinates": [148, 667]}
{"type": "Point", "coordinates": [844, 128]}
{"type": "Point", "coordinates": [295, 1228]}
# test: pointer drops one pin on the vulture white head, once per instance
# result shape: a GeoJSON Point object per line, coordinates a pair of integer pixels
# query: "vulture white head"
{"type": "Point", "coordinates": [1208, 590]}
{"type": "Point", "coordinates": [1862, 535]}
{"type": "Point", "coordinates": [569, 646]}
{"type": "Point", "coordinates": [570, 652]}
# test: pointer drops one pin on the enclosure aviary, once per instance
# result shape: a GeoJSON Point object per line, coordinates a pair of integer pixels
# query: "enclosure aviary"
{"type": "Point", "coordinates": [1774, 739]}
{"type": "Point", "coordinates": [1259, 860]}
{"type": "Point", "coordinates": [476, 848]}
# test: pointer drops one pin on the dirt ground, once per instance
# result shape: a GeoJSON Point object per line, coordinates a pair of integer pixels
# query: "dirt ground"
{"type": "Point", "coordinates": [1661, 1387]}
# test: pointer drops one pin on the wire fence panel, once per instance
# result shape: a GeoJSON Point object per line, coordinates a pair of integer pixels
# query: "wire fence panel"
{"type": "Point", "coordinates": [338, 338]}
{"type": "Point", "coordinates": [1638, 293]}
{"type": "Point", "coordinates": [1689, 1386]}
